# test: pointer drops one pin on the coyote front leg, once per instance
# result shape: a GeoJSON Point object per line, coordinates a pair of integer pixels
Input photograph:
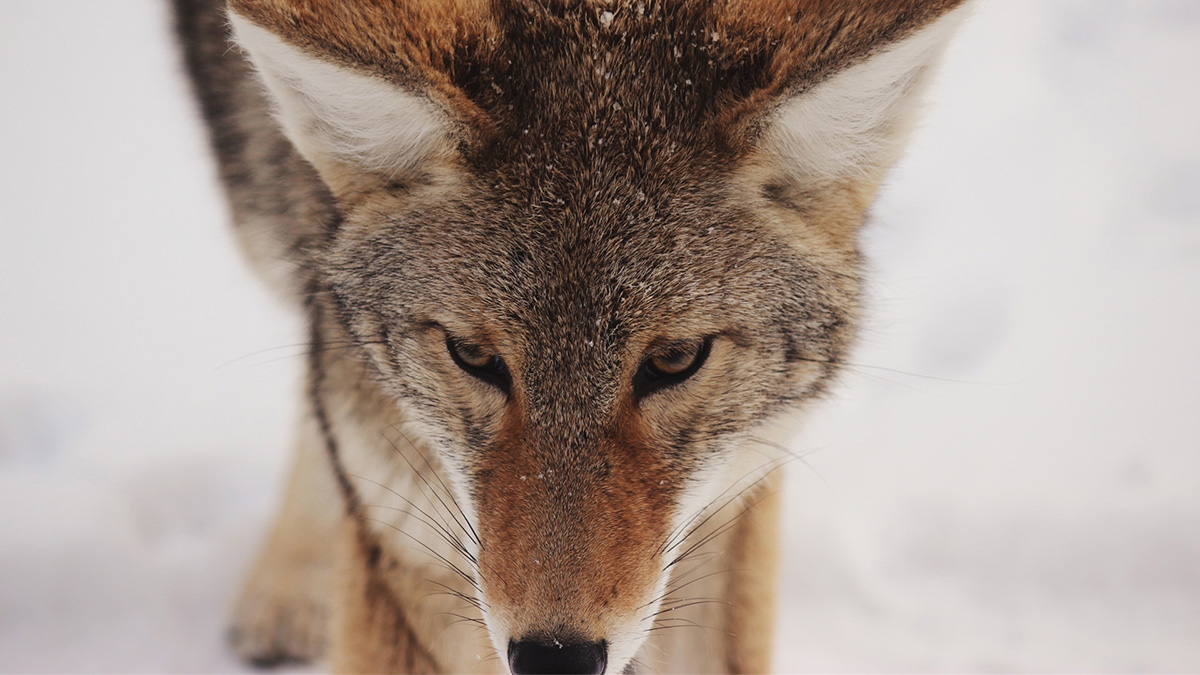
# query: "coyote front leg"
{"type": "Point", "coordinates": [723, 589]}
{"type": "Point", "coordinates": [282, 611]}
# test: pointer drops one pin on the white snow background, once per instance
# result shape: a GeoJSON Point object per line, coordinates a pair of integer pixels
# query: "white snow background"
{"type": "Point", "coordinates": [1008, 481]}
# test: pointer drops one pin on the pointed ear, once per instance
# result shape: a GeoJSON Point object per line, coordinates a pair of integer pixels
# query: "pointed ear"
{"type": "Point", "coordinates": [853, 125]}
{"type": "Point", "coordinates": [339, 116]}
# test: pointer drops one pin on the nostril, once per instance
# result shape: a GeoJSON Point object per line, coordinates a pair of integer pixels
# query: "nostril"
{"type": "Point", "coordinates": [530, 657]}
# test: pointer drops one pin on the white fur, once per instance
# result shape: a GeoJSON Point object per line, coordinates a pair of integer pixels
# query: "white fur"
{"type": "Point", "coordinates": [856, 122]}
{"type": "Point", "coordinates": [331, 112]}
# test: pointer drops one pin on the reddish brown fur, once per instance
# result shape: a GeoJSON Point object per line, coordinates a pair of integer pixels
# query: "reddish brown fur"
{"type": "Point", "coordinates": [600, 532]}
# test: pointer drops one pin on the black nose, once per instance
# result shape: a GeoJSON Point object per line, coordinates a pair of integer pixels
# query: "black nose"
{"type": "Point", "coordinates": [530, 657]}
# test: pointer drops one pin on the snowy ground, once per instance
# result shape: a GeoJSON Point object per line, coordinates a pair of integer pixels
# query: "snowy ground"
{"type": "Point", "coordinates": [1010, 481]}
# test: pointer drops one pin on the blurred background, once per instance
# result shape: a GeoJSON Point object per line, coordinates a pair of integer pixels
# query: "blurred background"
{"type": "Point", "coordinates": [1007, 480]}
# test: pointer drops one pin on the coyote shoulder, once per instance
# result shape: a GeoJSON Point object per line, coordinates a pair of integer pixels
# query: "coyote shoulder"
{"type": "Point", "coordinates": [564, 263]}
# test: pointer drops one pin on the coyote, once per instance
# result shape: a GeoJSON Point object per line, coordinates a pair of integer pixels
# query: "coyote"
{"type": "Point", "coordinates": [565, 264]}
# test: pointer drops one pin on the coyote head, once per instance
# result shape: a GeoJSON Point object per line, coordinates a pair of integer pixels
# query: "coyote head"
{"type": "Point", "coordinates": [592, 245]}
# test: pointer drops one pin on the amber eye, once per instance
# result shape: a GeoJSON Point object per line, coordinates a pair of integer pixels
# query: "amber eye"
{"type": "Point", "coordinates": [480, 363]}
{"type": "Point", "coordinates": [675, 361]}
{"type": "Point", "coordinates": [471, 355]}
{"type": "Point", "coordinates": [670, 366]}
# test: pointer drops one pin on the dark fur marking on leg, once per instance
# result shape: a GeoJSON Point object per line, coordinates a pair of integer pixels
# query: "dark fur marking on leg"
{"type": "Point", "coordinates": [316, 381]}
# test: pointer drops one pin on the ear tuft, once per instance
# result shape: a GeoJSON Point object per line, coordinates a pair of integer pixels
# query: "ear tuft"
{"type": "Point", "coordinates": [335, 114]}
{"type": "Point", "coordinates": [854, 124]}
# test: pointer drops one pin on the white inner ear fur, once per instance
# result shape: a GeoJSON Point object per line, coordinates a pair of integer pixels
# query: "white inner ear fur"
{"type": "Point", "coordinates": [331, 112]}
{"type": "Point", "coordinates": [855, 124]}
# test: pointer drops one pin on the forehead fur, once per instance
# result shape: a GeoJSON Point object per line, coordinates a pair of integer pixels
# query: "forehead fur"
{"type": "Point", "coordinates": [501, 66]}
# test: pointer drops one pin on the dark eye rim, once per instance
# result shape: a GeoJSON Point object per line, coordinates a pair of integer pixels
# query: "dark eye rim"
{"type": "Point", "coordinates": [649, 380]}
{"type": "Point", "coordinates": [494, 373]}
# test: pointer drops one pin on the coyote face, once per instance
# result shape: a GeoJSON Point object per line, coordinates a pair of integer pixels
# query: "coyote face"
{"type": "Point", "coordinates": [580, 251]}
{"type": "Point", "coordinates": [587, 361]}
